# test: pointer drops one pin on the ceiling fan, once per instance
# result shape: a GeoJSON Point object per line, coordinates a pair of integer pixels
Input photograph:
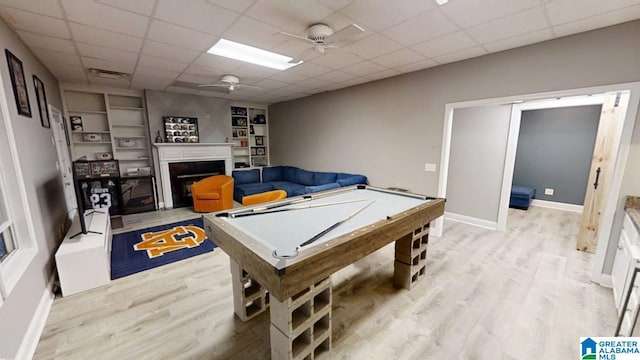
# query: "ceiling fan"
{"type": "Point", "coordinates": [231, 82]}
{"type": "Point", "coordinates": [321, 37]}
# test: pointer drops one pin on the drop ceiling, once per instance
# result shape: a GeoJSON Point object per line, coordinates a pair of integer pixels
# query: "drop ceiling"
{"type": "Point", "coordinates": [164, 42]}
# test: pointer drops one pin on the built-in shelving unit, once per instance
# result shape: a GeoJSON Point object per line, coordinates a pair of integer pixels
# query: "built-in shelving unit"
{"type": "Point", "coordinates": [108, 121]}
{"type": "Point", "coordinates": [250, 136]}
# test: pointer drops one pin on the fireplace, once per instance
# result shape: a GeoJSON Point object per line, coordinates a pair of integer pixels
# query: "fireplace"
{"type": "Point", "coordinates": [184, 174]}
{"type": "Point", "coordinates": [216, 156]}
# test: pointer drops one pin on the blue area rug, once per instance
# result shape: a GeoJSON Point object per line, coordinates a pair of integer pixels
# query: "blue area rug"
{"type": "Point", "coordinates": [148, 248]}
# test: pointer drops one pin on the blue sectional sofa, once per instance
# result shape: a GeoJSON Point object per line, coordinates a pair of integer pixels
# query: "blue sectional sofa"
{"type": "Point", "coordinates": [293, 180]}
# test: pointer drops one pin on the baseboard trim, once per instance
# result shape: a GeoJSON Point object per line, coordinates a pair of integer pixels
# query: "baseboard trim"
{"type": "Point", "coordinates": [491, 225]}
{"type": "Point", "coordinates": [557, 205]}
{"type": "Point", "coordinates": [30, 340]}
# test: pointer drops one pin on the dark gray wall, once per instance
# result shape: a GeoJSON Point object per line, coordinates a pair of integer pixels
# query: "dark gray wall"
{"type": "Point", "coordinates": [555, 148]}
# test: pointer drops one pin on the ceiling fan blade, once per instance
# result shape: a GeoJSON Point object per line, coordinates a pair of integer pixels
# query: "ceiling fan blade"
{"type": "Point", "coordinates": [298, 37]}
{"type": "Point", "coordinates": [345, 33]}
{"type": "Point", "coordinates": [306, 55]}
{"type": "Point", "coordinates": [248, 86]}
{"type": "Point", "coordinates": [341, 49]}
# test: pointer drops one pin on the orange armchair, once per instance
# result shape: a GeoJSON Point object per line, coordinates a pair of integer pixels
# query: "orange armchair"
{"type": "Point", "coordinates": [264, 197]}
{"type": "Point", "coordinates": [213, 194]}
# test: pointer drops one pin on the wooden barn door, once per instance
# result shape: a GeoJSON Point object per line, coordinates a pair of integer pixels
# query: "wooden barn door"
{"type": "Point", "coordinates": [614, 110]}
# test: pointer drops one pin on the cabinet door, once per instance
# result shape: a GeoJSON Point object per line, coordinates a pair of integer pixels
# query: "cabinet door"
{"type": "Point", "coordinates": [620, 271]}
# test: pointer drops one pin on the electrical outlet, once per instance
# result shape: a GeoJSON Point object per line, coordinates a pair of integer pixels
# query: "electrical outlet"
{"type": "Point", "coordinates": [429, 167]}
{"type": "Point", "coordinates": [548, 191]}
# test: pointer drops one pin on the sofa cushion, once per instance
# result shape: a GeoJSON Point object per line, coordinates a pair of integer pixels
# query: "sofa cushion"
{"type": "Point", "coordinates": [273, 173]}
{"type": "Point", "coordinates": [289, 173]}
{"type": "Point", "coordinates": [350, 179]}
{"type": "Point", "coordinates": [291, 188]}
{"type": "Point", "coordinates": [321, 178]}
{"type": "Point", "coordinates": [242, 190]}
{"type": "Point", "coordinates": [246, 176]}
{"type": "Point", "coordinates": [208, 196]}
{"type": "Point", "coordinates": [316, 188]}
{"type": "Point", "coordinates": [304, 177]}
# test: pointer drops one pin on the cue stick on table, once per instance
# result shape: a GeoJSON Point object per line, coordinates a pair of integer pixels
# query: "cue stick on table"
{"type": "Point", "coordinates": [325, 231]}
{"type": "Point", "coordinates": [300, 207]}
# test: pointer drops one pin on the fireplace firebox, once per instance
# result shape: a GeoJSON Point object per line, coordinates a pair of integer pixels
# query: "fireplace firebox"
{"type": "Point", "coordinates": [185, 174]}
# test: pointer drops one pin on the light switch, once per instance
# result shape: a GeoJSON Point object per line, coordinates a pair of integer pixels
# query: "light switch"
{"type": "Point", "coordinates": [429, 167]}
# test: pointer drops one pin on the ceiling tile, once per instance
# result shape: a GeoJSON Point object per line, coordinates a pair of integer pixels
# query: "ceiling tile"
{"type": "Point", "coordinates": [235, 5]}
{"type": "Point", "coordinates": [254, 33]}
{"type": "Point", "coordinates": [170, 52]}
{"type": "Point", "coordinates": [107, 65]}
{"type": "Point", "coordinates": [49, 57]}
{"type": "Point", "coordinates": [196, 14]}
{"type": "Point", "coordinates": [355, 81]}
{"type": "Point", "coordinates": [154, 62]}
{"type": "Point", "coordinates": [520, 40]}
{"type": "Point", "coordinates": [562, 11]}
{"type": "Point", "coordinates": [105, 17]}
{"type": "Point", "coordinates": [595, 22]}
{"type": "Point", "coordinates": [36, 41]}
{"type": "Point", "coordinates": [398, 58]}
{"type": "Point", "coordinates": [67, 73]}
{"type": "Point", "coordinates": [146, 82]}
{"type": "Point", "coordinates": [443, 45]}
{"type": "Point", "coordinates": [295, 49]}
{"type": "Point", "coordinates": [427, 26]}
{"type": "Point", "coordinates": [471, 13]}
{"type": "Point", "coordinates": [336, 76]}
{"type": "Point", "coordinates": [107, 53]}
{"type": "Point", "coordinates": [419, 65]}
{"type": "Point", "coordinates": [374, 46]}
{"type": "Point", "coordinates": [180, 90]}
{"type": "Point", "coordinates": [381, 14]}
{"type": "Point", "coordinates": [163, 32]}
{"type": "Point", "coordinates": [25, 20]}
{"type": "Point", "coordinates": [314, 83]}
{"type": "Point", "coordinates": [290, 16]}
{"type": "Point", "coordinates": [144, 7]}
{"type": "Point", "coordinates": [254, 72]}
{"type": "Point", "coordinates": [212, 93]}
{"type": "Point", "coordinates": [201, 70]}
{"type": "Point", "coordinates": [218, 62]}
{"type": "Point", "coordinates": [509, 26]}
{"type": "Point", "coordinates": [199, 79]}
{"type": "Point", "coordinates": [90, 35]}
{"type": "Point", "coordinates": [336, 4]}
{"type": "Point", "coordinates": [382, 74]}
{"type": "Point", "coordinates": [155, 72]}
{"type": "Point", "coordinates": [337, 22]}
{"type": "Point", "coordinates": [337, 59]}
{"type": "Point", "coordinates": [288, 77]}
{"type": "Point", "coordinates": [50, 8]}
{"type": "Point", "coordinates": [99, 81]}
{"type": "Point", "coordinates": [460, 55]}
{"type": "Point", "coordinates": [269, 84]}
{"type": "Point", "coordinates": [308, 69]}
{"type": "Point", "coordinates": [363, 68]}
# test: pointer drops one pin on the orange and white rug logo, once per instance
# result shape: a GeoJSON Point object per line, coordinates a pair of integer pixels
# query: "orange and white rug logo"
{"type": "Point", "coordinates": [180, 237]}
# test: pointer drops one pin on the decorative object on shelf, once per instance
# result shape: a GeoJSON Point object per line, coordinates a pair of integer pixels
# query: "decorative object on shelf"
{"type": "Point", "coordinates": [242, 133]}
{"type": "Point", "coordinates": [253, 151]}
{"type": "Point", "coordinates": [104, 168]}
{"type": "Point", "coordinates": [104, 156]}
{"type": "Point", "coordinates": [234, 133]}
{"type": "Point", "coordinates": [41, 98]}
{"type": "Point", "coordinates": [244, 143]}
{"type": "Point", "coordinates": [260, 140]}
{"type": "Point", "coordinates": [238, 121]}
{"type": "Point", "coordinates": [251, 131]}
{"type": "Point", "coordinates": [179, 129]}
{"type": "Point", "coordinates": [76, 123]}
{"type": "Point", "coordinates": [261, 151]}
{"type": "Point", "coordinates": [259, 119]}
{"type": "Point", "coordinates": [19, 84]}
{"type": "Point", "coordinates": [238, 111]}
{"type": "Point", "coordinates": [158, 137]}
{"type": "Point", "coordinates": [139, 171]}
{"type": "Point", "coordinates": [127, 143]}
{"type": "Point", "coordinates": [92, 137]}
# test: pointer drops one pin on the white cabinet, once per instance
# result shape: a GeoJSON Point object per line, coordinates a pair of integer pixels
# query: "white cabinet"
{"type": "Point", "coordinates": [107, 123]}
{"type": "Point", "coordinates": [250, 136]}
{"type": "Point", "coordinates": [84, 261]}
{"type": "Point", "coordinates": [626, 260]}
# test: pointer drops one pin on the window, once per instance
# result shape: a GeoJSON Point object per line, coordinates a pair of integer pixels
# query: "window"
{"type": "Point", "coordinates": [6, 237]}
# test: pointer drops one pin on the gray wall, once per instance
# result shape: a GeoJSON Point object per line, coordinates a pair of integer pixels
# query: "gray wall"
{"type": "Point", "coordinates": [387, 129]}
{"type": "Point", "coordinates": [214, 118]}
{"type": "Point", "coordinates": [37, 157]}
{"type": "Point", "coordinates": [476, 164]}
{"type": "Point", "coordinates": [555, 148]}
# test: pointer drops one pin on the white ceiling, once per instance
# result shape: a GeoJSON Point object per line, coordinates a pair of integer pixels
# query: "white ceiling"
{"type": "Point", "coordinates": [163, 41]}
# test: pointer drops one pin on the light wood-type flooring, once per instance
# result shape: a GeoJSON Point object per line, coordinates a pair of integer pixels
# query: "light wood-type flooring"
{"type": "Point", "coordinates": [521, 294]}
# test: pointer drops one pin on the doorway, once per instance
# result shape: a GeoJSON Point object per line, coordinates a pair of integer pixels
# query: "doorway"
{"type": "Point", "coordinates": [607, 204]}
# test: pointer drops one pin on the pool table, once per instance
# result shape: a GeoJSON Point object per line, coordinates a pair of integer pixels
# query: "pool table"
{"type": "Point", "coordinates": [283, 253]}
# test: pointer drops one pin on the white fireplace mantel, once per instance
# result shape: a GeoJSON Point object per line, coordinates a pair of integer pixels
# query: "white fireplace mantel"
{"type": "Point", "coordinates": [176, 153]}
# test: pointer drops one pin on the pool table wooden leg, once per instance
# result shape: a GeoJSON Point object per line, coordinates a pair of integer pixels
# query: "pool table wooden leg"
{"type": "Point", "coordinates": [301, 324]}
{"type": "Point", "coordinates": [410, 265]}
{"type": "Point", "coordinates": [249, 297]}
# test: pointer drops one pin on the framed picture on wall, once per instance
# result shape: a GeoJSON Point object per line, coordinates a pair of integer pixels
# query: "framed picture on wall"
{"type": "Point", "coordinates": [41, 98]}
{"type": "Point", "coordinates": [19, 84]}
{"type": "Point", "coordinates": [260, 140]}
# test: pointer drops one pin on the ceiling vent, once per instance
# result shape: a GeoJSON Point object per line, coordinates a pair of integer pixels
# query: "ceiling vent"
{"type": "Point", "coordinates": [108, 74]}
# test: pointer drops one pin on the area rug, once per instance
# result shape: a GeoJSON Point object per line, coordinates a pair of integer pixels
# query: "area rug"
{"type": "Point", "coordinates": [148, 248]}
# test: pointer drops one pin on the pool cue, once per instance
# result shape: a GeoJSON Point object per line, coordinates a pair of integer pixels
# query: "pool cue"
{"type": "Point", "coordinates": [325, 231]}
{"type": "Point", "coordinates": [301, 207]}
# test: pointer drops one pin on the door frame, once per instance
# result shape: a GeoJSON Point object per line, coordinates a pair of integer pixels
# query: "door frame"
{"type": "Point", "coordinates": [611, 202]}
{"type": "Point", "coordinates": [73, 206]}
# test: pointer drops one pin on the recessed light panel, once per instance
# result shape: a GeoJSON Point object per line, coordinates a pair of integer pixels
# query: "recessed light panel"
{"type": "Point", "coordinates": [250, 54]}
